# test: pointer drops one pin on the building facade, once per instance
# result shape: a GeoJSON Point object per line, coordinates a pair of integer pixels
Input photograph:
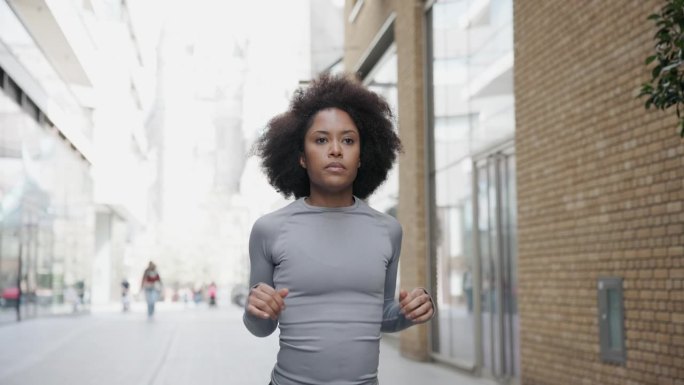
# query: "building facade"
{"type": "Point", "coordinates": [546, 217]}
{"type": "Point", "coordinates": [73, 151]}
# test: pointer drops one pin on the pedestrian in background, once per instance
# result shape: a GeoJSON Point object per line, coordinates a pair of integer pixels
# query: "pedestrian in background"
{"type": "Point", "coordinates": [125, 297]}
{"type": "Point", "coordinates": [324, 267]}
{"type": "Point", "coordinates": [211, 292]}
{"type": "Point", "coordinates": [151, 283]}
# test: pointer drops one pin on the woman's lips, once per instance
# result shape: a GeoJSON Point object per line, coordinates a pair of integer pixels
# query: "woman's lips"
{"type": "Point", "coordinates": [335, 166]}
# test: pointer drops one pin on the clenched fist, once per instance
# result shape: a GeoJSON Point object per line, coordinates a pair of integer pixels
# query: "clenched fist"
{"type": "Point", "coordinates": [265, 302]}
{"type": "Point", "coordinates": [416, 305]}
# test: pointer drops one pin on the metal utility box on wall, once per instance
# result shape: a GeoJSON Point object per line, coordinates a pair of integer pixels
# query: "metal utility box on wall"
{"type": "Point", "coordinates": [611, 320]}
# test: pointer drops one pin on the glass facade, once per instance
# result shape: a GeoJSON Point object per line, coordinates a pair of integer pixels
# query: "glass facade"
{"type": "Point", "coordinates": [472, 174]}
{"type": "Point", "coordinates": [454, 261]}
{"type": "Point", "coordinates": [382, 79]}
{"type": "Point", "coordinates": [497, 256]}
{"type": "Point", "coordinates": [46, 217]}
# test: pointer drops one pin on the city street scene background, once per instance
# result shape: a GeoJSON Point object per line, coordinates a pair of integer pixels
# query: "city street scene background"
{"type": "Point", "coordinates": [542, 204]}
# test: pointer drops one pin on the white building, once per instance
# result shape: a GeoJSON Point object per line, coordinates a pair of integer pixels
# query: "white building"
{"type": "Point", "coordinates": [77, 90]}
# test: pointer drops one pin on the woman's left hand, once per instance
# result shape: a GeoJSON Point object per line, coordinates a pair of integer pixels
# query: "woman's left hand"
{"type": "Point", "coordinates": [416, 305]}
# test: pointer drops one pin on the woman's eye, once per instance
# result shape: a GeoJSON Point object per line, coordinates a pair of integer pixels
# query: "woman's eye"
{"type": "Point", "coordinates": [321, 140]}
{"type": "Point", "coordinates": [348, 141]}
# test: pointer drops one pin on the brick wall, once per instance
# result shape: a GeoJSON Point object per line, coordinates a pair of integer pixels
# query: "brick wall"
{"type": "Point", "coordinates": [412, 179]}
{"type": "Point", "coordinates": [600, 193]}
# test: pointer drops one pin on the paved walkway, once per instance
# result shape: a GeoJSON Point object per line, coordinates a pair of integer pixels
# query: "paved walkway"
{"type": "Point", "coordinates": [181, 346]}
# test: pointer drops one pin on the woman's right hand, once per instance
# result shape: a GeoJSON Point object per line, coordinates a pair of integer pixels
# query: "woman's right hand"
{"type": "Point", "coordinates": [265, 302]}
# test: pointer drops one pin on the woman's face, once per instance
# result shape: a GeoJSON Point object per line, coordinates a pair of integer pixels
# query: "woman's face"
{"type": "Point", "coordinates": [332, 152]}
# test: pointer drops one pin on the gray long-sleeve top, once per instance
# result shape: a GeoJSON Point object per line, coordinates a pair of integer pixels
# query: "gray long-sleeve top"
{"type": "Point", "coordinates": [340, 266]}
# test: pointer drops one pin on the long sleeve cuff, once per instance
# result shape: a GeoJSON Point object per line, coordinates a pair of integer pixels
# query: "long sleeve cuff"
{"type": "Point", "coordinates": [258, 326]}
{"type": "Point", "coordinates": [394, 321]}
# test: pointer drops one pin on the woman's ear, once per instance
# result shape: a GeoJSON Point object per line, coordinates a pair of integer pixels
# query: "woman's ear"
{"type": "Point", "coordinates": [302, 160]}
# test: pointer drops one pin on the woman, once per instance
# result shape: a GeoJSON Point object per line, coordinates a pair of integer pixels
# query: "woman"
{"type": "Point", "coordinates": [151, 283]}
{"type": "Point", "coordinates": [324, 268]}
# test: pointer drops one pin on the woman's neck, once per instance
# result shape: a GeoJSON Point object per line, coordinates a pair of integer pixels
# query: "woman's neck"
{"type": "Point", "coordinates": [330, 200]}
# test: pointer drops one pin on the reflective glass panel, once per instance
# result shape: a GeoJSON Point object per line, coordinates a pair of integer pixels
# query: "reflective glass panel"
{"type": "Point", "coordinates": [382, 80]}
{"type": "Point", "coordinates": [46, 214]}
{"type": "Point", "coordinates": [473, 111]}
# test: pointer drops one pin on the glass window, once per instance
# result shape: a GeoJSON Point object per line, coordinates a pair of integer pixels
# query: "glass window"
{"type": "Point", "coordinates": [45, 215]}
{"type": "Point", "coordinates": [454, 261]}
{"type": "Point", "coordinates": [472, 107]}
{"type": "Point", "coordinates": [382, 79]}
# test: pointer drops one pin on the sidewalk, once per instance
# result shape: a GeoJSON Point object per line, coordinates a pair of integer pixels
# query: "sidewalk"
{"type": "Point", "coordinates": [182, 345]}
{"type": "Point", "coordinates": [397, 370]}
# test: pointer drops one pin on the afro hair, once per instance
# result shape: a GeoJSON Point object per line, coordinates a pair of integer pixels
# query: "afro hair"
{"type": "Point", "coordinates": [282, 142]}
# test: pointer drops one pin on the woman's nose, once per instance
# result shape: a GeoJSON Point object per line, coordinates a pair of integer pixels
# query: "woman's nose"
{"type": "Point", "coordinates": [335, 148]}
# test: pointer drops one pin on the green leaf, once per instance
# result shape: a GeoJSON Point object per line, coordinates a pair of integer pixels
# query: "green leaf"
{"type": "Point", "coordinates": [666, 87]}
{"type": "Point", "coordinates": [664, 36]}
{"type": "Point", "coordinates": [656, 71]}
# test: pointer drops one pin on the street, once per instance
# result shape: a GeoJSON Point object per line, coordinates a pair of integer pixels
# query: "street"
{"type": "Point", "coordinates": [182, 345]}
